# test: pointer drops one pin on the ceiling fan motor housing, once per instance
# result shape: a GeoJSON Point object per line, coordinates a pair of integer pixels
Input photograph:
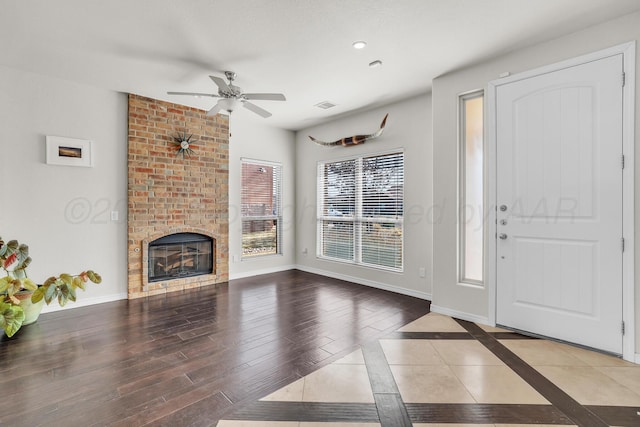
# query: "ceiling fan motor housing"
{"type": "Point", "coordinates": [234, 92]}
{"type": "Point", "coordinates": [232, 97]}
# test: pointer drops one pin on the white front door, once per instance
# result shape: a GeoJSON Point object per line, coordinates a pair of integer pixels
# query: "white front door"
{"type": "Point", "coordinates": [559, 201]}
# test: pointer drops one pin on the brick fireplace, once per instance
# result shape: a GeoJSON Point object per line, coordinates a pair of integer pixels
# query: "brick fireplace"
{"type": "Point", "coordinates": [170, 194]}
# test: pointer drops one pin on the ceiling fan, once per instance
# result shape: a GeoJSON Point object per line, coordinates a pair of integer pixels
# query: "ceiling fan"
{"type": "Point", "coordinates": [231, 97]}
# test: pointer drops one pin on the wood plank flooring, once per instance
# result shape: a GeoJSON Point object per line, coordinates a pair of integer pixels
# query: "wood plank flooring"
{"type": "Point", "coordinates": [188, 358]}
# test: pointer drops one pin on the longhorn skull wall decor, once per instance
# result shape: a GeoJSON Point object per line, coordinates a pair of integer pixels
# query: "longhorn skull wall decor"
{"type": "Point", "coordinates": [353, 140]}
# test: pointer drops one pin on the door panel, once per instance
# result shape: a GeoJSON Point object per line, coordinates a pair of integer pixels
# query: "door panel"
{"type": "Point", "coordinates": [555, 275]}
{"type": "Point", "coordinates": [559, 177]}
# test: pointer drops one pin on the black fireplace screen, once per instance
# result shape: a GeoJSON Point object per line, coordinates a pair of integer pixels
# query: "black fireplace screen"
{"type": "Point", "coordinates": [180, 255]}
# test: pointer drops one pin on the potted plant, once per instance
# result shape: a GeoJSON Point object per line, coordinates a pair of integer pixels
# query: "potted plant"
{"type": "Point", "coordinates": [18, 293]}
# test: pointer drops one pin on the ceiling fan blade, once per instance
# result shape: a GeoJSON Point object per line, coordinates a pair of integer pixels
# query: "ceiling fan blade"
{"type": "Point", "coordinates": [214, 110]}
{"type": "Point", "coordinates": [265, 96]}
{"type": "Point", "coordinates": [193, 94]}
{"type": "Point", "coordinates": [253, 107]}
{"type": "Point", "coordinates": [222, 85]}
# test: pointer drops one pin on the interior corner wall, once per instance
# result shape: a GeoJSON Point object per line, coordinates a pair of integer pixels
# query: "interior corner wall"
{"type": "Point", "coordinates": [409, 128]}
{"type": "Point", "coordinates": [258, 141]}
{"type": "Point", "coordinates": [63, 213]}
{"type": "Point", "coordinates": [472, 302]}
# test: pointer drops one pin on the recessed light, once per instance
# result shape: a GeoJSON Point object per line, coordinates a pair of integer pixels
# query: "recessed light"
{"type": "Point", "coordinates": [359, 44]}
{"type": "Point", "coordinates": [375, 64]}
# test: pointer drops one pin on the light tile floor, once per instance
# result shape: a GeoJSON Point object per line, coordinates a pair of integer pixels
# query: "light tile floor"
{"type": "Point", "coordinates": [463, 371]}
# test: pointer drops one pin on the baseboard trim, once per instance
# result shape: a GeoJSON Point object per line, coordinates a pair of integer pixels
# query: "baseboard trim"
{"type": "Point", "coordinates": [366, 282]}
{"type": "Point", "coordinates": [261, 271]}
{"type": "Point", "coordinates": [82, 302]}
{"type": "Point", "coordinates": [460, 315]}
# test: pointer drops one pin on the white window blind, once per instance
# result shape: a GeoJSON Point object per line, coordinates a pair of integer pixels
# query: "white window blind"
{"type": "Point", "coordinates": [261, 211]}
{"type": "Point", "coordinates": [360, 210]}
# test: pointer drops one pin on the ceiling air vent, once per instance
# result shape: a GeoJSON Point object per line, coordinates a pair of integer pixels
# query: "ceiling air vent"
{"type": "Point", "coordinates": [325, 105]}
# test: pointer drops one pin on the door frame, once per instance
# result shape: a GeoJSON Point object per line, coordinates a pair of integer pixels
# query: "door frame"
{"type": "Point", "coordinates": [628, 186]}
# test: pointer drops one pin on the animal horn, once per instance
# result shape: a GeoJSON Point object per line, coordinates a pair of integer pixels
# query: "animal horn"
{"type": "Point", "coordinates": [353, 140]}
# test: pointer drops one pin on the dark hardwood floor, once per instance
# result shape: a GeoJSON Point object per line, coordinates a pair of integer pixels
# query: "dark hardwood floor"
{"type": "Point", "coordinates": [188, 358]}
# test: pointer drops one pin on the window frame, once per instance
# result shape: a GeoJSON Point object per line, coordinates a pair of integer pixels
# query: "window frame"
{"type": "Point", "coordinates": [277, 195]}
{"type": "Point", "coordinates": [462, 191]}
{"type": "Point", "coordinates": [357, 218]}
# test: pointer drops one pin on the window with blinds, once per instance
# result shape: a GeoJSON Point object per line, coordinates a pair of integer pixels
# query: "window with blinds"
{"type": "Point", "coordinates": [261, 210]}
{"type": "Point", "coordinates": [360, 210]}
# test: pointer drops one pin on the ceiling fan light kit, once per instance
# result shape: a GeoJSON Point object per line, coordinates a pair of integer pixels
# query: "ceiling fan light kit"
{"type": "Point", "coordinates": [232, 97]}
{"type": "Point", "coordinates": [360, 44]}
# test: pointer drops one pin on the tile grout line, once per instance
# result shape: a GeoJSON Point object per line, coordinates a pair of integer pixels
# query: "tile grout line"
{"type": "Point", "coordinates": [392, 411]}
{"type": "Point", "coordinates": [578, 413]}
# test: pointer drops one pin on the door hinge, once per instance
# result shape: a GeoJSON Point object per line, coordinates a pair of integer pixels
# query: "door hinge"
{"type": "Point", "coordinates": [622, 328]}
{"type": "Point", "coordinates": [622, 242]}
{"type": "Point", "coordinates": [623, 161]}
{"type": "Point", "coordinates": [624, 79]}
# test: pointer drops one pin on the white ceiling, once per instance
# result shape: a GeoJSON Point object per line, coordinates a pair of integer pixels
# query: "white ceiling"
{"type": "Point", "coordinates": [301, 48]}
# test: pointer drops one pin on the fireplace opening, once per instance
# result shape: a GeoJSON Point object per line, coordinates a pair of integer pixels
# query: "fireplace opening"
{"type": "Point", "coordinates": [180, 255]}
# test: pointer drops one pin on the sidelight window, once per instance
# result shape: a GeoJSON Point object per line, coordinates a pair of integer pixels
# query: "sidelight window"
{"type": "Point", "coordinates": [471, 194]}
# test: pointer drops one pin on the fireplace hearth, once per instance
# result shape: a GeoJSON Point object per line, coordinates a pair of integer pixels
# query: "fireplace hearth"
{"type": "Point", "coordinates": [180, 255]}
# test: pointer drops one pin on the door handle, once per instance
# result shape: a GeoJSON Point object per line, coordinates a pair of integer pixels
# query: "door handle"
{"type": "Point", "coordinates": [502, 236]}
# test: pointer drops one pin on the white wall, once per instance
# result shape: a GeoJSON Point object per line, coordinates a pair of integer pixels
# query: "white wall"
{"type": "Point", "coordinates": [408, 127]}
{"type": "Point", "coordinates": [254, 140]}
{"type": "Point", "coordinates": [447, 294]}
{"type": "Point", "coordinates": [63, 212]}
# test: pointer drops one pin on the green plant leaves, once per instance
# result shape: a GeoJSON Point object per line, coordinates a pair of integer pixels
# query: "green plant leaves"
{"type": "Point", "coordinates": [12, 246]}
{"type": "Point", "coordinates": [14, 259]}
{"type": "Point", "coordinates": [94, 277]}
{"type": "Point", "coordinates": [67, 279]}
{"type": "Point", "coordinates": [29, 284]}
{"type": "Point", "coordinates": [38, 294]}
{"type": "Point", "coordinates": [11, 318]}
{"type": "Point", "coordinates": [23, 251]}
{"type": "Point", "coordinates": [78, 283]}
{"type": "Point", "coordinates": [50, 291]}
{"type": "Point", "coordinates": [49, 281]}
{"type": "Point", "coordinates": [4, 284]}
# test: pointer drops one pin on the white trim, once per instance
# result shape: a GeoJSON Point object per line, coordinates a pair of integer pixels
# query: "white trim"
{"type": "Point", "coordinates": [462, 190]}
{"type": "Point", "coordinates": [460, 315]}
{"type": "Point", "coordinates": [366, 282]}
{"type": "Point", "coordinates": [628, 267]}
{"type": "Point", "coordinates": [491, 160]}
{"type": "Point", "coordinates": [82, 302]}
{"type": "Point", "coordinates": [628, 200]}
{"type": "Point", "coordinates": [357, 218]}
{"type": "Point", "coordinates": [269, 270]}
{"type": "Point", "coordinates": [277, 181]}
{"type": "Point", "coordinates": [259, 162]}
